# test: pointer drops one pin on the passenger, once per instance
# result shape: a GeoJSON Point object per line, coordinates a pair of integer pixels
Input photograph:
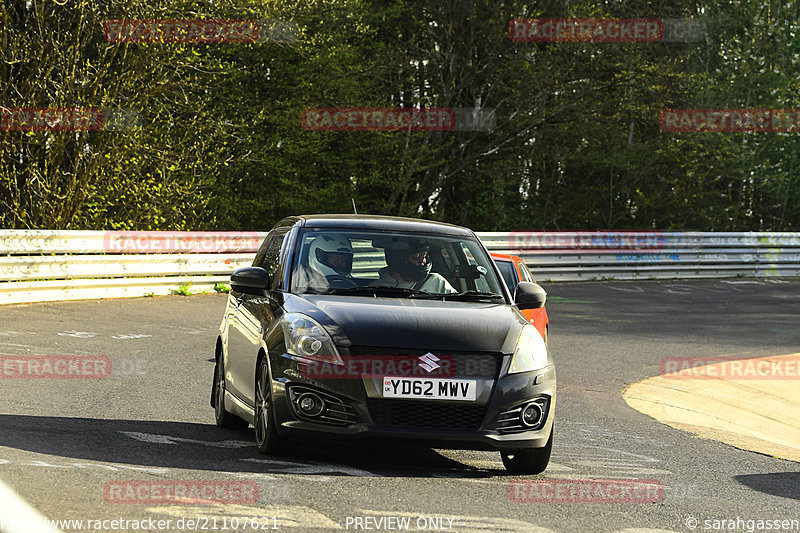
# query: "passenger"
{"type": "Point", "coordinates": [409, 266]}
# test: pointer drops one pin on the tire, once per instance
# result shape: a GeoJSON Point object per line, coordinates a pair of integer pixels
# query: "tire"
{"type": "Point", "coordinates": [223, 418]}
{"type": "Point", "coordinates": [268, 441]}
{"type": "Point", "coordinates": [530, 461]}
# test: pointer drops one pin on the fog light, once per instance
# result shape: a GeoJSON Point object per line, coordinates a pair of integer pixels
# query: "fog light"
{"type": "Point", "coordinates": [531, 415]}
{"type": "Point", "coordinates": [310, 404]}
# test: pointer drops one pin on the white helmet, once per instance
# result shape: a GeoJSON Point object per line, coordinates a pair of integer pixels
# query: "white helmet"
{"type": "Point", "coordinates": [331, 255]}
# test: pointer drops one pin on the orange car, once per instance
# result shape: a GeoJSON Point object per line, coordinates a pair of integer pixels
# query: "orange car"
{"type": "Point", "coordinates": [514, 270]}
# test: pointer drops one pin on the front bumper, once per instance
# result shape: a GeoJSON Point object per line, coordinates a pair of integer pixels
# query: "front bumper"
{"type": "Point", "coordinates": [365, 416]}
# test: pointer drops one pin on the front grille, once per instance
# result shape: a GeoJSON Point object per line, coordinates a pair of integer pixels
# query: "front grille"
{"type": "Point", "coordinates": [421, 414]}
{"type": "Point", "coordinates": [336, 411]}
{"type": "Point", "coordinates": [467, 364]}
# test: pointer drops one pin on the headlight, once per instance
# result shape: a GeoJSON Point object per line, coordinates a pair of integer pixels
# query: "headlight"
{"type": "Point", "coordinates": [530, 353]}
{"type": "Point", "coordinates": [306, 338]}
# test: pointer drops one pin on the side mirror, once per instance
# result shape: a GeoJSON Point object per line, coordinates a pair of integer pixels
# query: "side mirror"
{"type": "Point", "coordinates": [529, 295]}
{"type": "Point", "coordinates": [252, 280]}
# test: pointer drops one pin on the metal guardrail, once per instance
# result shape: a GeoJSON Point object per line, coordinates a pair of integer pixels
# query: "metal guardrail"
{"type": "Point", "coordinates": [43, 265]}
{"type": "Point", "coordinates": [629, 255]}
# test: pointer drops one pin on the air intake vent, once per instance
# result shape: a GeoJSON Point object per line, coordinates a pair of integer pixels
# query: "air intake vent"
{"type": "Point", "coordinates": [422, 414]}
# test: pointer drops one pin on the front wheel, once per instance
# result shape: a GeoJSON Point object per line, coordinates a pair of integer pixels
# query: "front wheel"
{"type": "Point", "coordinates": [529, 461]}
{"type": "Point", "coordinates": [267, 438]}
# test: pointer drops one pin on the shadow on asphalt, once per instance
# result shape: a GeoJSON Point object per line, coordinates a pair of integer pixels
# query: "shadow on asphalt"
{"type": "Point", "coordinates": [205, 447]}
{"type": "Point", "coordinates": [785, 484]}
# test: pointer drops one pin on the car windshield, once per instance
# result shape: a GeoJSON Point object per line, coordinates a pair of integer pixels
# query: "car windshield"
{"type": "Point", "coordinates": [377, 263]}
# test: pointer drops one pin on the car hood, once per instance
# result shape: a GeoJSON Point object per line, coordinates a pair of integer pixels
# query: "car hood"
{"type": "Point", "coordinates": [413, 324]}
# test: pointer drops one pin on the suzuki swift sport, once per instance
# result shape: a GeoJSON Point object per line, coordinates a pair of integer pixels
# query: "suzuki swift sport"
{"type": "Point", "coordinates": [368, 327]}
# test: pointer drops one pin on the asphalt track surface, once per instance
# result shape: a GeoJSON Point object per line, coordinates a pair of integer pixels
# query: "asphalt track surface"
{"type": "Point", "coordinates": [62, 441]}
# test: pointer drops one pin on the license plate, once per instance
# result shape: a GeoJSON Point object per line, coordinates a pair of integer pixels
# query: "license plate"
{"type": "Point", "coordinates": [432, 389]}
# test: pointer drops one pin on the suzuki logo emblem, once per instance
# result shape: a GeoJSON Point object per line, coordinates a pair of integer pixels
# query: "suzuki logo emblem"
{"type": "Point", "coordinates": [428, 362]}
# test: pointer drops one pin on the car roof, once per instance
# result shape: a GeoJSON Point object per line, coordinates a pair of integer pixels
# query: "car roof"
{"type": "Point", "coordinates": [503, 257]}
{"type": "Point", "coordinates": [376, 222]}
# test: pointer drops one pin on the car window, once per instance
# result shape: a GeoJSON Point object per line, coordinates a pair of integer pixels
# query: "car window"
{"type": "Point", "coordinates": [507, 271]}
{"type": "Point", "coordinates": [272, 257]}
{"type": "Point", "coordinates": [526, 274]}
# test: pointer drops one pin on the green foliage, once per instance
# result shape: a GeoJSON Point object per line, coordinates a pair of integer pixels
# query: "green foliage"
{"type": "Point", "coordinates": [184, 289]}
{"type": "Point", "coordinates": [576, 143]}
{"type": "Point", "coordinates": [221, 287]}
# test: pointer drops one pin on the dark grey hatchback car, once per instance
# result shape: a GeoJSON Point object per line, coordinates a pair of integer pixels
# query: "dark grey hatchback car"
{"type": "Point", "coordinates": [369, 327]}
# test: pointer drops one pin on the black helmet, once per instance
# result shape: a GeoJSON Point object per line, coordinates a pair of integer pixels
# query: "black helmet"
{"type": "Point", "coordinates": [398, 252]}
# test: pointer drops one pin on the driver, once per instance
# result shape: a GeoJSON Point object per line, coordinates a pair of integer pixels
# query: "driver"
{"type": "Point", "coordinates": [409, 266]}
{"type": "Point", "coordinates": [330, 258]}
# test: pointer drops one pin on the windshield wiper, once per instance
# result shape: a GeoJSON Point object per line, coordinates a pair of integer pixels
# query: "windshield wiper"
{"type": "Point", "coordinates": [471, 295]}
{"type": "Point", "coordinates": [381, 290]}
